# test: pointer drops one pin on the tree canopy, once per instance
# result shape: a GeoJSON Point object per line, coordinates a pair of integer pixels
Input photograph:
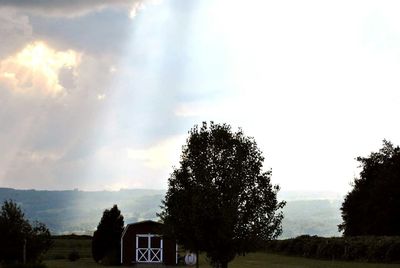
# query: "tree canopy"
{"type": "Point", "coordinates": [17, 233]}
{"type": "Point", "coordinates": [373, 206]}
{"type": "Point", "coordinates": [106, 241]}
{"type": "Point", "coordinates": [220, 200]}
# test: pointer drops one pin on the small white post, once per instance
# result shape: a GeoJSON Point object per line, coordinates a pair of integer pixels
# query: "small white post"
{"type": "Point", "coordinates": [161, 245]}
{"type": "Point", "coordinates": [24, 252]}
{"type": "Point", "coordinates": [122, 248]}
{"type": "Point", "coordinates": [176, 253]}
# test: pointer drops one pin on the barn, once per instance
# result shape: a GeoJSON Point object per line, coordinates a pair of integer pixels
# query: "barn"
{"type": "Point", "coordinates": [142, 242]}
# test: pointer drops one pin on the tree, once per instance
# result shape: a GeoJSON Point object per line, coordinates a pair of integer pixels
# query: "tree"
{"type": "Point", "coordinates": [373, 206]}
{"type": "Point", "coordinates": [19, 240]}
{"type": "Point", "coordinates": [106, 242]}
{"type": "Point", "coordinates": [220, 200]}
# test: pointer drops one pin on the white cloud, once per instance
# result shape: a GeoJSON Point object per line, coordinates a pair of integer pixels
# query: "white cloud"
{"type": "Point", "coordinates": [36, 68]}
{"type": "Point", "coordinates": [135, 9]}
{"type": "Point", "coordinates": [113, 69]}
{"type": "Point", "coordinates": [101, 97]}
{"type": "Point", "coordinates": [162, 155]}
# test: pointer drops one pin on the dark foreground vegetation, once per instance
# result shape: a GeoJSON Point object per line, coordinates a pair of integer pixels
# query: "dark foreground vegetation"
{"type": "Point", "coordinates": [373, 206]}
{"type": "Point", "coordinates": [358, 248]}
{"type": "Point", "coordinates": [57, 256]}
{"type": "Point", "coordinates": [20, 240]}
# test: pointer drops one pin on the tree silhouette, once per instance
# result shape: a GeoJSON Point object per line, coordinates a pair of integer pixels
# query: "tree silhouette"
{"type": "Point", "coordinates": [373, 206]}
{"type": "Point", "coordinates": [18, 238]}
{"type": "Point", "coordinates": [219, 200]}
{"type": "Point", "coordinates": [106, 242]}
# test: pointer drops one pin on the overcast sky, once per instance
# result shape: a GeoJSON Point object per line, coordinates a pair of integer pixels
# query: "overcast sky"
{"type": "Point", "coordinates": [101, 94]}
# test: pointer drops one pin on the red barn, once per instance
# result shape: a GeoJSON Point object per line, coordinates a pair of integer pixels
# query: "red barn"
{"type": "Point", "coordinates": [142, 242]}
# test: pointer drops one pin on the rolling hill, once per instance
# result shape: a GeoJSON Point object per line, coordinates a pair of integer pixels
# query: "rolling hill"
{"type": "Point", "coordinates": [74, 211]}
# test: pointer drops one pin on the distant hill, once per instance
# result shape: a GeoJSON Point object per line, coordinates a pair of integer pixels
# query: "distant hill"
{"type": "Point", "coordinates": [74, 211]}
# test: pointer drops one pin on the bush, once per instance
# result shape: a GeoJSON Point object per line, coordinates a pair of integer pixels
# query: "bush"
{"type": "Point", "coordinates": [73, 255]}
{"type": "Point", "coordinates": [393, 253]}
{"type": "Point", "coordinates": [363, 248]}
{"type": "Point", "coordinates": [58, 256]}
{"type": "Point", "coordinates": [111, 258]}
{"type": "Point", "coordinates": [29, 265]}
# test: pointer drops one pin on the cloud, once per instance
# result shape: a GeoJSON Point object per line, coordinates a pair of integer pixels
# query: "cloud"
{"type": "Point", "coordinates": [36, 68]}
{"type": "Point", "coordinates": [161, 155]}
{"type": "Point", "coordinates": [15, 31]}
{"type": "Point", "coordinates": [71, 8]}
{"type": "Point", "coordinates": [126, 166]}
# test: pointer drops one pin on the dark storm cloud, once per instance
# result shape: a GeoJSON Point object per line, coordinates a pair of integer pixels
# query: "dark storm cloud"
{"type": "Point", "coordinates": [104, 32]}
{"type": "Point", "coordinates": [70, 8]}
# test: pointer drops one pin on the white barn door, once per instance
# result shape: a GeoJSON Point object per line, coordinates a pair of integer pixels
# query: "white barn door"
{"type": "Point", "coordinates": [149, 248]}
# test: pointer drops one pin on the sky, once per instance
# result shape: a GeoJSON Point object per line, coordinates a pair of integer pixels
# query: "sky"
{"type": "Point", "coordinates": [100, 95]}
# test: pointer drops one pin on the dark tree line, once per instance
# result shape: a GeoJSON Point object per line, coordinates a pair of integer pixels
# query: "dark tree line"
{"type": "Point", "coordinates": [19, 239]}
{"type": "Point", "coordinates": [373, 206]}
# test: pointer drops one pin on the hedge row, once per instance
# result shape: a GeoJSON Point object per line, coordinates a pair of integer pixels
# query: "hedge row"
{"type": "Point", "coordinates": [362, 248]}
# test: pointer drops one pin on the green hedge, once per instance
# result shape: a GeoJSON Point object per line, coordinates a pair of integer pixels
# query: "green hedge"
{"type": "Point", "coordinates": [363, 248]}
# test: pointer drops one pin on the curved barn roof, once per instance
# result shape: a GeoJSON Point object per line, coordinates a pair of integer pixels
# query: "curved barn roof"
{"type": "Point", "coordinates": [139, 223]}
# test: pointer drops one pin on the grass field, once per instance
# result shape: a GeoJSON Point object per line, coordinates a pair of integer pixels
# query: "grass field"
{"type": "Point", "coordinates": [62, 247]}
{"type": "Point", "coordinates": [254, 260]}
{"type": "Point", "coordinates": [57, 258]}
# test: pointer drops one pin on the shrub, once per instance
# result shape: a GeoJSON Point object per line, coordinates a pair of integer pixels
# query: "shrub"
{"type": "Point", "coordinates": [73, 255]}
{"type": "Point", "coordinates": [58, 256]}
{"type": "Point", "coordinates": [393, 253]}
{"type": "Point", "coordinates": [29, 265]}
{"type": "Point", "coordinates": [365, 248]}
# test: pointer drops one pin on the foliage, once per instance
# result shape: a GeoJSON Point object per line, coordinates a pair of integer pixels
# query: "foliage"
{"type": "Point", "coordinates": [373, 206]}
{"type": "Point", "coordinates": [106, 242]}
{"type": "Point", "coordinates": [74, 255]}
{"type": "Point", "coordinates": [29, 265]}
{"type": "Point", "coordinates": [362, 248]}
{"type": "Point", "coordinates": [16, 231]}
{"type": "Point", "coordinates": [219, 200]}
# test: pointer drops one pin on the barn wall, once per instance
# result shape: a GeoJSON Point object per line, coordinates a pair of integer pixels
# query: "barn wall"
{"type": "Point", "coordinates": [129, 242]}
{"type": "Point", "coordinates": [169, 252]}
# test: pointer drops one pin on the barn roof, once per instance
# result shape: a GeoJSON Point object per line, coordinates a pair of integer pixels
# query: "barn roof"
{"type": "Point", "coordinates": [138, 223]}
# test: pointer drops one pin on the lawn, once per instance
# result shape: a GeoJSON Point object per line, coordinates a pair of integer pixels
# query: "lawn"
{"type": "Point", "coordinates": [254, 260]}
{"type": "Point", "coordinates": [57, 258]}
{"type": "Point", "coordinates": [62, 247]}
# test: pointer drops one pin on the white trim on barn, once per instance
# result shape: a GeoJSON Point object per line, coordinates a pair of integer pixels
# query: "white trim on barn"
{"type": "Point", "coordinates": [155, 248]}
{"type": "Point", "coordinates": [149, 254]}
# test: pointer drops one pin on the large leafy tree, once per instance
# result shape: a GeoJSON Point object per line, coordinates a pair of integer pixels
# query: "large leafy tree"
{"type": "Point", "coordinates": [373, 206]}
{"type": "Point", "coordinates": [106, 242]}
{"type": "Point", "coordinates": [19, 238]}
{"type": "Point", "coordinates": [220, 200]}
